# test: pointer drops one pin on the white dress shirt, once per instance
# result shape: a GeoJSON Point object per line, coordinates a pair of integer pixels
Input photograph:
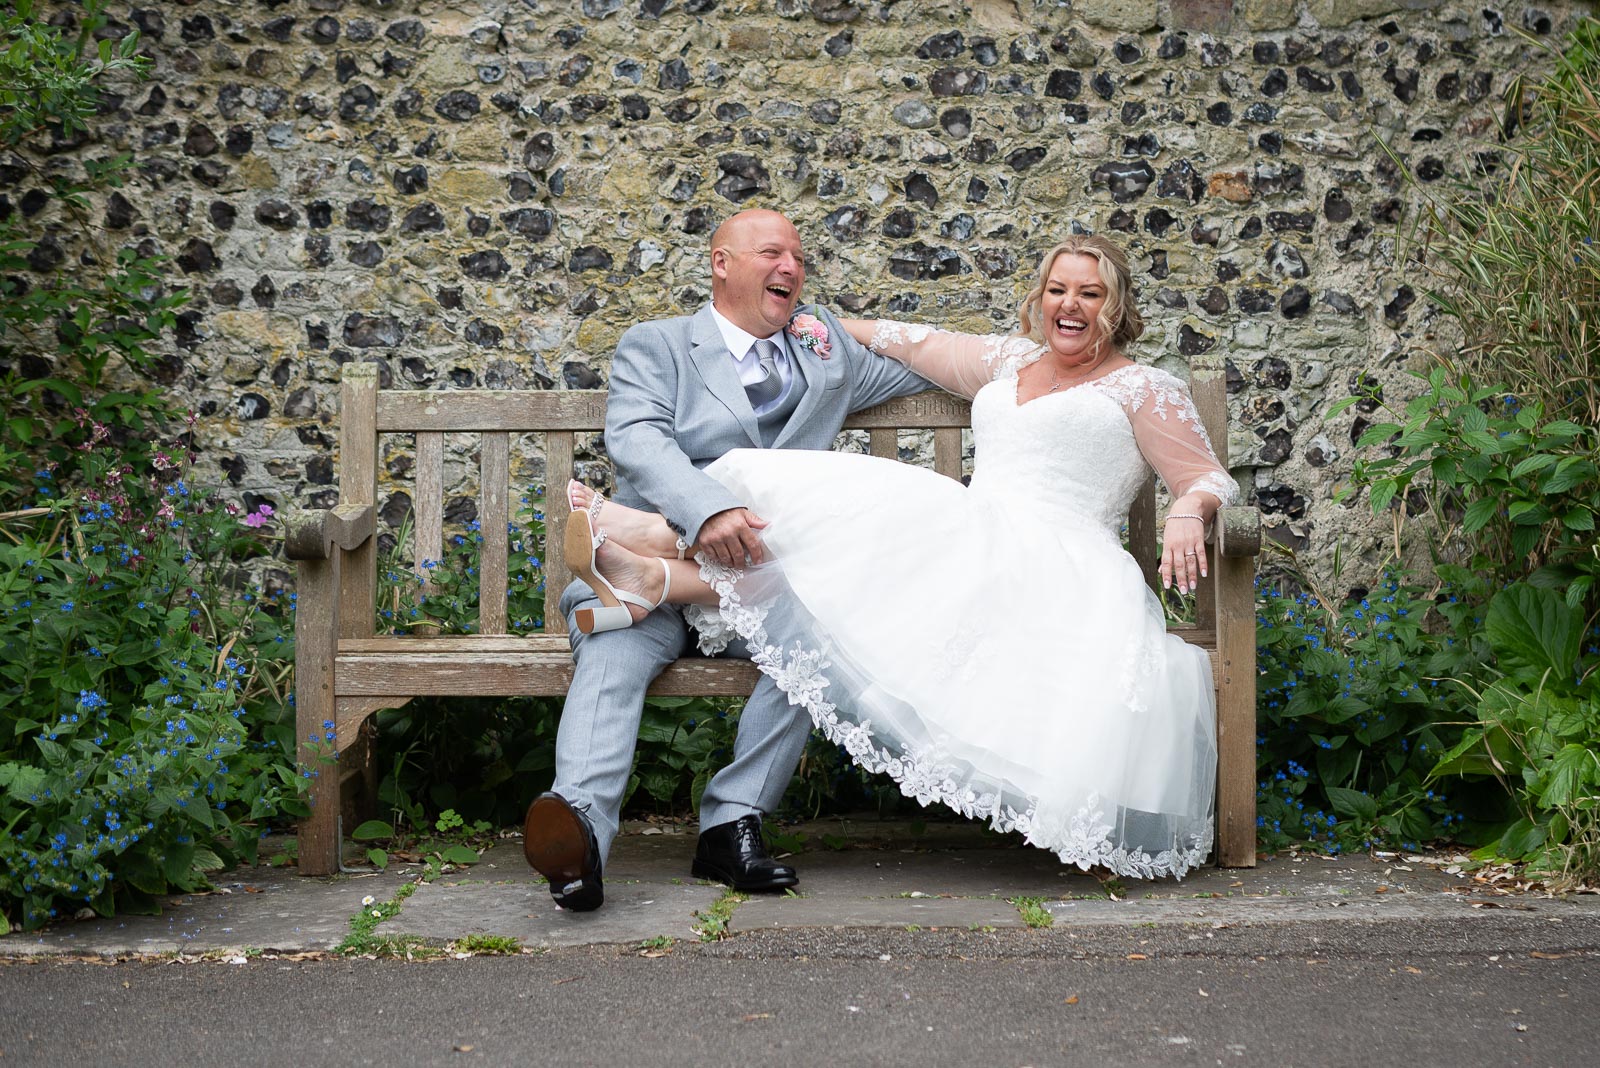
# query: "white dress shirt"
{"type": "Point", "coordinates": [742, 346]}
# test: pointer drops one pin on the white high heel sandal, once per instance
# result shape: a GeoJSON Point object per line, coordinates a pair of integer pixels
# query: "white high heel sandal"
{"type": "Point", "coordinates": [596, 501]}
{"type": "Point", "coordinates": [582, 539]}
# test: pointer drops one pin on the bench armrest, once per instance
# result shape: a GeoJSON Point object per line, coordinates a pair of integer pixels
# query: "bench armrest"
{"type": "Point", "coordinates": [314, 535]}
{"type": "Point", "coordinates": [1236, 531]}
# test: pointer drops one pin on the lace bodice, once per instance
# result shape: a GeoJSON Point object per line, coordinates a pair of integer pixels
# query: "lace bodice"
{"type": "Point", "coordinates": [1081, 453]}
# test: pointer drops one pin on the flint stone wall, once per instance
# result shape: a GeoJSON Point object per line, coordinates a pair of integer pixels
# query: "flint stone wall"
{"type": "Point", "coordinates": [488, 194]}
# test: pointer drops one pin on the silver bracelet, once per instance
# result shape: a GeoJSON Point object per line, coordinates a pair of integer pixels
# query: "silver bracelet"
{"type": "Point", "coordinates": [1185, 515]}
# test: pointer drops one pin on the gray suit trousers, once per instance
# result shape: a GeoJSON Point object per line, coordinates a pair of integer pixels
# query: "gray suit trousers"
{"type": "Point", "coordinates": [600, 724]}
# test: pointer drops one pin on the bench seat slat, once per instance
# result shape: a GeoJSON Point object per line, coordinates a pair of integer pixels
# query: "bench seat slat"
{"type": "Point", "coordinates": [509, 674]}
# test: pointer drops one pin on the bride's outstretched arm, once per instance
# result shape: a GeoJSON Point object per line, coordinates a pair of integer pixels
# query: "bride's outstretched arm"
{"type": "Point", "coordinates": [1167, 428]}
{"type": "Point", "coordinates": [959, 363]}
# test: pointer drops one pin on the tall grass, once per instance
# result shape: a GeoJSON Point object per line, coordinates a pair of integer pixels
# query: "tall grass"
{"type": "Point", "coordinates": [1515, 257]}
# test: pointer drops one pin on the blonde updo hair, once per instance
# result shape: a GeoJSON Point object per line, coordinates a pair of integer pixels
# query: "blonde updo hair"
{"type": "Point", "coordinates": [1119, 319]}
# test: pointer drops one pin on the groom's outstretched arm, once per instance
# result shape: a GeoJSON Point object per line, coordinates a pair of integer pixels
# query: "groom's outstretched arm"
{"type": "Point", "coordinates": [641, 433]}
{"type": "Point", "coordinates": [873, 378]}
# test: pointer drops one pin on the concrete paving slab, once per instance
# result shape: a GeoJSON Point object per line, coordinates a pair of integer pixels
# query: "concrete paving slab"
{"type": "Point", "coordinates": [960, 872]}
{"type": "Point", "coordinates": [634, 911]}
{"type": "Point", "coordinates": [265, 908]}
{"type": "Point", "coordinates": [876, 876]}
{"type": "Point", "coordinates": [658, 856]}
{"type": "Point", "coordinates": [771, 913]}
{"type": "Point", "coordinates": [1230, 911]}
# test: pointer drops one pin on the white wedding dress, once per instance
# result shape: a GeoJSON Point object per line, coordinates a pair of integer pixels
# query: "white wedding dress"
{"type": "Point", "coordinates": [993, 646]}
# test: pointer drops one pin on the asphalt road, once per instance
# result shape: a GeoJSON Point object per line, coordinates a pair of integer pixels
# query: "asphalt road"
{"type": "Point", "coordinates": [1427, 995]}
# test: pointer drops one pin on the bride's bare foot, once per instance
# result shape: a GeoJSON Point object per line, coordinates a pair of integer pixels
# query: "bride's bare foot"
{"type": "Point", "coordinates": [643, 532]}
{"type": "Point", "coordinates": [627, 570]}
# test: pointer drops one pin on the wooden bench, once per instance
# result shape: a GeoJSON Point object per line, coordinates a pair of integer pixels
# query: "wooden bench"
{"type": "Point", "coordinates": [344, 672]}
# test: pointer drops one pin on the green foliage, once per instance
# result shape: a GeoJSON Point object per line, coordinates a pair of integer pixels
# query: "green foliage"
{"type": "Point", "coordinates": [1033, 912]}
{"type": "Point", "coordinates": [144, 730]}
{"type": "Point", "coordinates": [712, 924]}
{"type": "Point", "coordinates": [487, 945]}
{"type": "Point", "coordinates": [364, 939]}
{"type": "Point", "coordinates": [48, 80]}
{"type": "Point", "coordinates": [1354, 709]}
{"type": "Point", "coordinates": [1508, 491]}
{"type": "Point", "coordinates": [70, 325]}
{"type": "Point", "coordinates": [1537, 732]}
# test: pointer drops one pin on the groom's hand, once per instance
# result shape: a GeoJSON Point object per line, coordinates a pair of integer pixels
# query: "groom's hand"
{"type": "Point", "coordinates": [730, 536]}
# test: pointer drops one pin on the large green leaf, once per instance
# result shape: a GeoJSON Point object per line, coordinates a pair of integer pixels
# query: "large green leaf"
{"type": "Point", "coordinates": [1520, 839]}
{"type": "Point", "coordinates": [22, 781]}
{"type": "Point", "coordinates": [1534, 629]}
{"type": "Point", "coordinates": [1352, 804]}
{"type": "Point", "coordinates": [1478, 514]}
{"type": "Point", "coordinates": [460, 854]}
{"type": "Point", "coordinates": [1467, 758]}
{"type": "Point", "coordinates": [1572, 471]}
{"type": "Point", "coordinates": [1572, 775]}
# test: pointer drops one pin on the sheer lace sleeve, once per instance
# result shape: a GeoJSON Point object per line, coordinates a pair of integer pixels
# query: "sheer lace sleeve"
{"type": "Point", "coordinates": [1167, 427]}
{"type": "Point", "coordinates": [959, 363]}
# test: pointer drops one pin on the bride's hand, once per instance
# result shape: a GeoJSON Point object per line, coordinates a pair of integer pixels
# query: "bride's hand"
{"type": "Point", "coordinates": [1183, 553]}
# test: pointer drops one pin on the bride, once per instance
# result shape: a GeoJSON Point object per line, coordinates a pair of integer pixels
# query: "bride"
{"type": "Point", "coordinates": [992, 647]}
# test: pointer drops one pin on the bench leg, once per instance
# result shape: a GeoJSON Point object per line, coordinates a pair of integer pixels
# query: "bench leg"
{"type": "Point", "coordinates": [316, 636]}
{"type": "Point", "coordinates": [1236, 712]}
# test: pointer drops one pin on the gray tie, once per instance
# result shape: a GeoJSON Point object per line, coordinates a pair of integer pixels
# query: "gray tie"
{"type": "Point", "coordinates": [769, 386]}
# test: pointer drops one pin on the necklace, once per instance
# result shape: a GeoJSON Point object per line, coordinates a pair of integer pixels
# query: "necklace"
{"type": "Point", "coordinates": [1055, 380]}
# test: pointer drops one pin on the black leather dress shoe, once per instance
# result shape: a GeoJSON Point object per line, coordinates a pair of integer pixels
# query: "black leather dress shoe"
{"type": "Point", "coordinates": [560, 845]}
{"type": "Point", "coordinates": [733, 853]}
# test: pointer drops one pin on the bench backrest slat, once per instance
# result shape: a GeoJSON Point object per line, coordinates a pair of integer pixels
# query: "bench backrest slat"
{"type": "Point", "coordinates": [947, 451]}
{"type": "Point", "coordinates": [884, 442]}
{"type": "Point", "coordinates": [358, 484]}
{"type": "Point", "coordinates": [427, 510]}
{"type": "Point", "coordinates": [1144, 538]}
{"type": "Point", "coordinates": [494, 485]}
{"type": "Point", "coordinates": [478, 410]}
{"type": "Point", "coordinates": [1208, 385]}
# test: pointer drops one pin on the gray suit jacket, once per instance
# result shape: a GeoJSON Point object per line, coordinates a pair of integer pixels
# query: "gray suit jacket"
{"type": "Point", "coordinates": [676, 403]}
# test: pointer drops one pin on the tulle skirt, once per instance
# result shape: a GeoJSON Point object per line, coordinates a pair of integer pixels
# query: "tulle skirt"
{"type": "Point", "coordinates": [984, 652]}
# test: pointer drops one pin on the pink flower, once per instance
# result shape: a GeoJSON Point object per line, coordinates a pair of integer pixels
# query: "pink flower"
{"type": "Point", "coordinates": [811, 333]}
{"type": "Point", "coordinates": [258, 518]}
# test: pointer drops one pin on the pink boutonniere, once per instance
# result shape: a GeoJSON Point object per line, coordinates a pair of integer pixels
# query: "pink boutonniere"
{"type": "Point", "coordinates": [811, 333]}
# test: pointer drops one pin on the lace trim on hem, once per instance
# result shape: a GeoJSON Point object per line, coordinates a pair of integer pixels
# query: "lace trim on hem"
{"type": "Point", "coordinates": [800, 673]}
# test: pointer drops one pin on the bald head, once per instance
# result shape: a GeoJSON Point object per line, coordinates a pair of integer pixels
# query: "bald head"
{"type": "Point", "coordinates": [738, 230]}
{"type": "Point", "coordinates": [758, 266]}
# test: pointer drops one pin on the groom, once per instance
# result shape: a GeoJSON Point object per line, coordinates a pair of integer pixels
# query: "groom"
{"type": "Point", "coordinates": [683, 392]}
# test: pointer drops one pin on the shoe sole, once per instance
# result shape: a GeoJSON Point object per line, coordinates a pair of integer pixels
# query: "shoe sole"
{"type": "Point", "coordinates": [554, 840]}
{"type": "Point", "coordinates": [701, 870]}
{"type": "Point", "coordinates": [578, 550]}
